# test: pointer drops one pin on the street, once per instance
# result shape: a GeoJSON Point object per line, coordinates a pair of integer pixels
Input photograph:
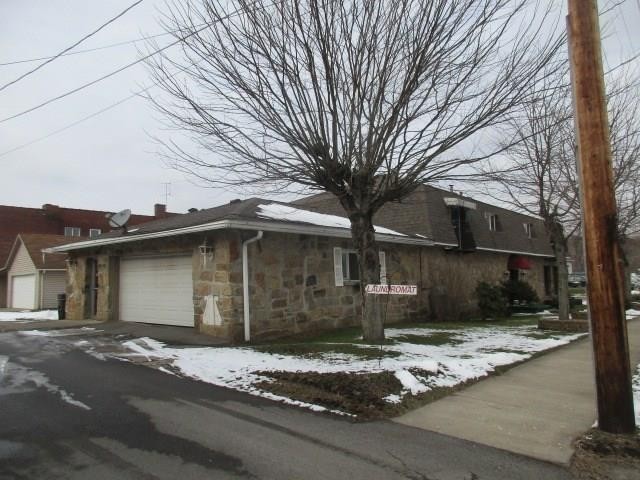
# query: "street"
{"type": "Point", "coordinates": [65, 414]}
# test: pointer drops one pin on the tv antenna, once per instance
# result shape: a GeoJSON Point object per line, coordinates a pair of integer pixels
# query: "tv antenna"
{"type": "Point", "coordinates": [167, 191]}
{"type": "Point", "coordinates": [120, 219]}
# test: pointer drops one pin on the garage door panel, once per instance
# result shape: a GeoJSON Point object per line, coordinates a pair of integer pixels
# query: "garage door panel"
{"type": "Point", "coordinates": [157, 290]}
{"type": "Point", "coordinates": [23, 291]}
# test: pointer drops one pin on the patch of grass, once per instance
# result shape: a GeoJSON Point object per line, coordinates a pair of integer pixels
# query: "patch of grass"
{"type": "Point", "coordinates": [503, 350]}
{"type": "Point", "coordinates": [360, 394]}
{"type": "Point", "coordinates": [436, 339]}
{"type": "Point", "coordinates": [317, 350]}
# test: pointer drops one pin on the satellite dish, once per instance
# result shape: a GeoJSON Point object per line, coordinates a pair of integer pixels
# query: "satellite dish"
{"type": "Point", "coordinates": [120, 219]}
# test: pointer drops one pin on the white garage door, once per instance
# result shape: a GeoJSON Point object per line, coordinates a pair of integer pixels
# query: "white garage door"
{"type": "Point", "coordinates": [157, 290]}
{"type": "Point", "coordinates": [23, 291]}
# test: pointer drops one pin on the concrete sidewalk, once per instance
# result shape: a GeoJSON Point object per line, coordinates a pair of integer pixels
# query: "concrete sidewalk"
{"type": "Point", "coordinates": [535, 409]}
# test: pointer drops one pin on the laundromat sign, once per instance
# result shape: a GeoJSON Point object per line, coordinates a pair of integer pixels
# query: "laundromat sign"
{"type": "Point", "coordinates": [392, 289]}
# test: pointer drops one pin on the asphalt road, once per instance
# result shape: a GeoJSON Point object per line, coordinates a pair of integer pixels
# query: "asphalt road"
{"type": "Point", "coordinates": [67, 415]}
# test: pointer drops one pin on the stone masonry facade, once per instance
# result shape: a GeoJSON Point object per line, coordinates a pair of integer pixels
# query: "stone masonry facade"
{"type": "Point", "coordinates": [292, 282]}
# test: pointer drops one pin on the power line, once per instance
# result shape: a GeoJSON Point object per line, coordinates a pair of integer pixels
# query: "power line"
{"type": "Point", "coordinates": [83, 119]}
{"type": "Point", "coordinates": [115, 72]}
{"type": "Point", "coordinates": [78, 52]}
{"type": "Point", "coordinates": [93, 82]}
{"type": "Point", "coordinates": [138, 2]}
{"type": "Point", "coordinates": [95, 49]}
{"type": "Point", "coordinates": [92, 115]}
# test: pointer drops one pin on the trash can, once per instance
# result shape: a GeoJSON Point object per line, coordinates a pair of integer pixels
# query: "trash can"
{"type": "Point", "coordinates": [62, 300]}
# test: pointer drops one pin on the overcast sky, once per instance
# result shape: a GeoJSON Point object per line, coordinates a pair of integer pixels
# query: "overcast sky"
{"type": "Point", "coordinates": [109, 162]}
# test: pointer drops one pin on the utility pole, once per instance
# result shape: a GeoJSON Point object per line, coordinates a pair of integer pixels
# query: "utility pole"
{"type": "Point", "coordinates": [605, 285]}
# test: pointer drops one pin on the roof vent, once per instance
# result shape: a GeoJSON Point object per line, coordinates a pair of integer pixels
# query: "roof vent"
{"type": "Point", "coordinates": [192, 210]}
{"type": "Point", "coordinates": [235, 200]}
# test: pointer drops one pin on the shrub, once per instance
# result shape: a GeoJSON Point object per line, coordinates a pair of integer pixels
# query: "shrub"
{"type": "Point", "coordinates": [491, 300]}
{"type": "Point", "coordinates": [519, 291]}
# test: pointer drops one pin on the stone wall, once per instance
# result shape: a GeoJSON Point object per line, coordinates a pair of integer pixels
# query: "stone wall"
{"type": "Point", "coordinates": [293, 287]}
{"type": "Point", "coordinates": [75, 290]}
{"type": "Point", "coordinates": [449, 279]}
{"type": "Point", "coordinates": [292, 282]}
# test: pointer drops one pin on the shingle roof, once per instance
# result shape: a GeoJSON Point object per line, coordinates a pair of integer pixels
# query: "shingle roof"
{"type": "Point", "coordinates": [244, 209]}
{"type": "Point", "coordinates": [424, 212]}
{"type": "Point", "coordinates": [51, 219]}
{"type": "Point", "coordinates": [422, 215]}
{"type": "Point", "coordinates": [35, 243]}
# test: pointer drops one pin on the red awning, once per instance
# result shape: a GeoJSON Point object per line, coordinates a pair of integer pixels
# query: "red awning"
{"type": "Point", "coordinates": [518, 262]}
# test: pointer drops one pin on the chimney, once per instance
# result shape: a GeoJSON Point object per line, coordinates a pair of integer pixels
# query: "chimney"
{"type": "Point", "coordinates": [50, 209]}
{"type": "Point", "coordinates": [159, 210]}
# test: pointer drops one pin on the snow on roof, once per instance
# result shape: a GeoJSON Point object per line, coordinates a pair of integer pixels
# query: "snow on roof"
{"type": "Point", "coordinates": [277, 211]}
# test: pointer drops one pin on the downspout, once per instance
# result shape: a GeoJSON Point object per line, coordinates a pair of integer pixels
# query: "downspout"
{"type": "Point", "coordinates": [245, 283]}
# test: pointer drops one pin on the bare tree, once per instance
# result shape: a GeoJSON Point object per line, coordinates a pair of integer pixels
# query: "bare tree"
{"type": "Point", "coordinates": [537, 175]}
{"type": "Point", "coordinates": [623, 106]}
{"type": "Point", "coordinates": [364, 99]}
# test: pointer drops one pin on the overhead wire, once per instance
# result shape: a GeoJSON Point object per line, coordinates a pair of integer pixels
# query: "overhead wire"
{"type": "Point", "coordinates": [137, 93]}
{"type": "Point", "coordinates": [89, 35]}
{"type": "Point", "coordinates": [115, 72]}
{"type": "Point", "coordinates": [95, 49]}
{"type": "Point", "coordinates": [88, 117]}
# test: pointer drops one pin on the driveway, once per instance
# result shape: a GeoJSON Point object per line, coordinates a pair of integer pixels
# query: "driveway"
{"type": "Point", "coordinates": [65, 414]}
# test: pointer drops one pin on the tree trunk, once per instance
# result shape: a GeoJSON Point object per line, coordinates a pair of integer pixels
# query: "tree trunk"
{"type": "Point", "coordinates": [559, 243]}
{"type": "Point", "coordinates": [563, 281]}
{"type": "Point", "coordinates": [626, 271]}
{"type": "Point", "coordinates": [372, 312]}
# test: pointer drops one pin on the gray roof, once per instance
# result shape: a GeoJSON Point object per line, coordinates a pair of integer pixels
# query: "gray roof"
{"type": "Point", "coordinates": [234, 210]}
{"type": "Point", "coordinates": [422, 215]}
{"type": "Point", "coordinates": [424, 212]}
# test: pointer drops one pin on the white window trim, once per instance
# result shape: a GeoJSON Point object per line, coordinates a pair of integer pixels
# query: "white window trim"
{"type": "Point", "coordinates": [339, 273]}
{"type": "Point", "coordinates": [345, 275]}
{"type": "Point", "coordinates": [73, 231]}
{"type": "Point", "coordinates": [493, 222]}
{"type": "Point", "coordinates": [92, 230]}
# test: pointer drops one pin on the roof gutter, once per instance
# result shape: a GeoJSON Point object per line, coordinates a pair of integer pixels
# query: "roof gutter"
{"type": "Point", "coordinates": [267, 226]}
{"type": "Point", "coordinates": [245, 284]}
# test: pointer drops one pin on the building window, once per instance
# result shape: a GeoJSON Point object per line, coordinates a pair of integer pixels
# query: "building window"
{"type": "Point", "coordinates": [71, 231]}
{"type": "Point", "coordinates": [347, 267]}
{"type": "Point", "coordinates": [94, 232]}
{"type": "Point", "coordinates": [528, 228]}
{"type": "Point", "coordinates": [493, 222]}
{"type": "Point", "coordinates": [350, 266]}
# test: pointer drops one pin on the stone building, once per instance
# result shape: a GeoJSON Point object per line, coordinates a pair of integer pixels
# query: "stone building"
{"type": "Point", "coordinates": [256, 268]}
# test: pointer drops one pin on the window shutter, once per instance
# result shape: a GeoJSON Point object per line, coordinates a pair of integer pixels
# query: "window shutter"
{"type": "Point", "coordinates": [383, 268]}
{"type": "Point", "coordinates": [337, 266]}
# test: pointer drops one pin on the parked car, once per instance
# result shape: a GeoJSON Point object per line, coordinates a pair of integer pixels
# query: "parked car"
{"type": "Point", "coordinates": [577, 280]}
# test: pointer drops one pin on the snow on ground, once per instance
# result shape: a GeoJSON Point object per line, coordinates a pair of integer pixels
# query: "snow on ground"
{"type": "Point", "coordinates": [27, 315]}
{"type": "Point", "coordinates": [16, 377]}
{"type": "Point", "coordinates": [631, 313]}
{"type": "Point", "coordinates": [59, 333]}
{"type": "Point", "coordinates": [465, 354]}
{"type": "Point", "coordinates": [276, 211]}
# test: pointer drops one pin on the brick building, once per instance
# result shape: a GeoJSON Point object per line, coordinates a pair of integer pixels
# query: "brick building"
{"type": "Point", "coordinates": [54, 220]}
